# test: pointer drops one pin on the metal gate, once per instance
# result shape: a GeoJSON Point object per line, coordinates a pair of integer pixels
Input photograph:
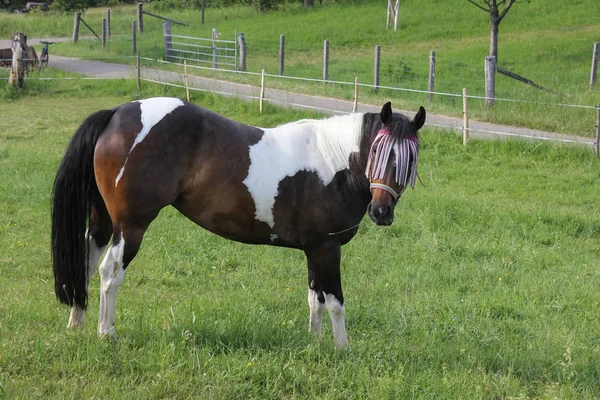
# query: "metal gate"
{"type": "Point", "coordinates": [220, 54]}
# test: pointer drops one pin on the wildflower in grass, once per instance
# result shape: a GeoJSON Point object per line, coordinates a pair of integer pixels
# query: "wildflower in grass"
{"type": "Point", "coordinates": [249, 363]}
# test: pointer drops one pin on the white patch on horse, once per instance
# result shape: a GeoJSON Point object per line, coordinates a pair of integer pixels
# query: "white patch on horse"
{"type": "Point", "coordinates": [316, 312]}
{"type": "Point", "coordinates": [273, 238]}
{"type": "Point", "coordinates": [77, 315]}
{"type": "Point", "coordinates": [152, 112]}
{"type": "Point", "coordinates": [111, 275]}
{"type": "Point", "coordinates": [320, 146]}
{"type": "Point", "coordinates": [336, 312]}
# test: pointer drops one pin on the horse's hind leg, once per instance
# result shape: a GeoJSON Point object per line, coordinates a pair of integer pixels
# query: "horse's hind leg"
{"type": "Point", "coordinates": [97, 237]}
{"type": "Point", "coordinates": [123, 249]}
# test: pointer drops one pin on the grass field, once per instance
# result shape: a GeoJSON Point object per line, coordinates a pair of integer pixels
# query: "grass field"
{"type": "Point", "coordinates": [547, 41]}
{"type": "Point", "coordinates": [486, 286]}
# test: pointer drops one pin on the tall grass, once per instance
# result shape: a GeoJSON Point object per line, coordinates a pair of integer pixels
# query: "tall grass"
{"type": "Point", "coordinates": [486, 286]}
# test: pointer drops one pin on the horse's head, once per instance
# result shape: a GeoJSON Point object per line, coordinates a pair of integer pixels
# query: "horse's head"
{"type": "Point", "coordinates": [392, 162]}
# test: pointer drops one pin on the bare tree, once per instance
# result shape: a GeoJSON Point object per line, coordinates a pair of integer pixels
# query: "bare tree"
{"type": "Point", "coordinates": [497, 10]}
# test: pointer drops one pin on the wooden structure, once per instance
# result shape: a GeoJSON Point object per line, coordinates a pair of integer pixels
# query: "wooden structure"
{"type": "Point", "coordinates": [392, 12]}
{"type": "Point", "coordinates": [19, 52]}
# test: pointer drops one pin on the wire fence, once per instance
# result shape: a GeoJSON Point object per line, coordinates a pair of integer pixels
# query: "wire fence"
{"type": "Point", "coordinates": [169, 79]}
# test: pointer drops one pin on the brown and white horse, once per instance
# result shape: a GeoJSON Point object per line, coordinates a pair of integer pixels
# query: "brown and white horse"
{"type": "Point", "coordinates": [304, 185]}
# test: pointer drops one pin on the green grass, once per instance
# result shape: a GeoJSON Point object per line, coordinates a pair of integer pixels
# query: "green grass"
{"type": "Point", "coordinates": [548, 41]}
{"type": "Point", "coordinates": [486, 286]}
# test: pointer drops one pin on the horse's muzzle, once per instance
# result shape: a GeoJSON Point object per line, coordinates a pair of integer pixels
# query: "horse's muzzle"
{"type": "Point", "coordinates": [381, 214]}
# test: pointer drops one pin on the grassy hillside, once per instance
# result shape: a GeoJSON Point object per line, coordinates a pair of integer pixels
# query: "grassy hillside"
{"type": "Point", "coordinates": [486, 286]}
{"type": "Point", "coordinates": [547, 41]}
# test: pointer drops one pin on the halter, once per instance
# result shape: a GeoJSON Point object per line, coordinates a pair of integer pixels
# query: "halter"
{"type": "Point", "coordinates": [388, 189]}
{"type": "Point", "coordinates": [383, 145]}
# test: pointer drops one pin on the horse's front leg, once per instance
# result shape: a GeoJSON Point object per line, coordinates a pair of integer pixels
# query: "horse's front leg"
{"type": "Point", "coordinates": [325, 289]}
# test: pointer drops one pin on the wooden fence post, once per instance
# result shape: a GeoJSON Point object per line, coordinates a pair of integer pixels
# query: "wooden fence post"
{"type": "Point", "coordinates": [139, 83]}
{"type": "Point", "coordinates": [242, 44]}
{"type": "Point", "coordinates": [326, 60]}
{"type": "Point", "coordinates": [133, 37]}
{"type": "Point", "coordinates": [465, 118]}
{"type": "Point", "coordinates": [203, 7]}
{"type": "Point", "coordinates": [377, 67]}
{"type": "Point", "coordinates": [431, 82]}
{"type": "Point", "coordinates": [490, 80]}
{"type": "Point", "coordinates": [103, 32]}
{"type": "Point", "coordinates": [185, 77]}
{"type": "Point", "coordinates": [215, 50]}
{"type": "Point", "coordinates": [167, 38]}
{"type": "Point", "coordinates": [140, 17]}
{"type": "Point", "coordinates": [281, 54]}
{"type": "Point", "coordinates": [76, 27]}
{"type": "Point", "coordinates": [594, 65]}
{"type": "Point", "coordinates": [262, 90]}
{"type": "Point", "coordinates": [355, 106]}
{"type": "Point", "coordinates": [108, 23]}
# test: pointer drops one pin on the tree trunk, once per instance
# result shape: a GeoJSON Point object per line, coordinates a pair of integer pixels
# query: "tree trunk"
{"type": "Point", "coordinates": [309, 3]}
{"type": "Point", "coordinates": [494, 40]}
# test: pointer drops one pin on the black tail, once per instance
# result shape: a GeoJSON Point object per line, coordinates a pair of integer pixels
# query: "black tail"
{"type": "Point", "coordinates": [74, 190]}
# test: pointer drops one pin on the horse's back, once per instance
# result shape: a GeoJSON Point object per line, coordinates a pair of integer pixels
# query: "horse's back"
{"type": "Point", "coordinates": [163, 151]}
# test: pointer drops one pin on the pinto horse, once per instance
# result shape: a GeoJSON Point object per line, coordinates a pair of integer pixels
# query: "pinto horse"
{"type": "Point", "coordinates": [304, 185]}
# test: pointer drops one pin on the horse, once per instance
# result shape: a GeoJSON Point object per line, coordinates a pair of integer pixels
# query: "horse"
{"type": "Point", "coordinates": [305, 185]}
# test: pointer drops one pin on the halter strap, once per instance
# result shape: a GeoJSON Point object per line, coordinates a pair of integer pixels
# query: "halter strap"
{"type": "Point", "coordinates": [388, 189]}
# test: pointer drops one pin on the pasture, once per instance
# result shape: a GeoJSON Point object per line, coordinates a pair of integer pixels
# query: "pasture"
{"type": "Point", "coordinates": [486, 285]}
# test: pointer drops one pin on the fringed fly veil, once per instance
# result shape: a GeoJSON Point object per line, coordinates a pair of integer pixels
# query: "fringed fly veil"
{"type": "Point", "coordinates": [383, 145]}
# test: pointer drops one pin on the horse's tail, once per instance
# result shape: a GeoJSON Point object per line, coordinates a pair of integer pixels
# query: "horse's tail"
{"type": "Point", "coordinates": [74, 191]}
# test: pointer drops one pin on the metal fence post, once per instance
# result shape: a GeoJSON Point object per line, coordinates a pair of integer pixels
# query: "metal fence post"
{"type": "Point", "coordinates": [594, 65]}
{"type": "Point", "coordinates": [262, 90]}
{"type": "Point", "coordinates": [355, 105]}
{"type": "Point", "coordinates": [465, 117]}
{"type": "Point", "coordinates": [598, 130]}
{"type": "Point", "coordinates": [377, 66]}
{"type": "Point", "coordinates": [431, 82]}
{"type": "Point", "coordinates": [326, 60]}
{"type": "Point", "coordinates": [281, 54]}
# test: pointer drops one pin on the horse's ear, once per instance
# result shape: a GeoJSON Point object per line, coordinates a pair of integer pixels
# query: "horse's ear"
{"type": "Point", "coordinates": [419, 119]}
{"type": "Point", "coordinates": [386, 113]}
